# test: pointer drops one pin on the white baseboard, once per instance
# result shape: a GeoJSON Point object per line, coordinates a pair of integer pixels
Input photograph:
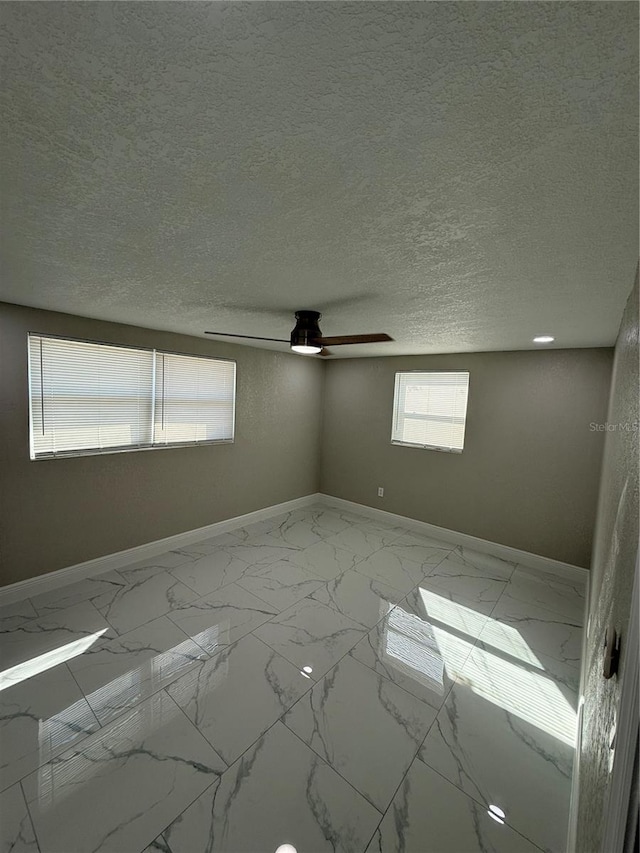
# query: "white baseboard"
{"type": "Point", "coordinates": [572, 832]}
{"type": "Point", "coordinates": [53, 580]}
{"type": "Point", "coordinates": [62, 577]}
{"type": "Point", "coordinates": [514, 555]}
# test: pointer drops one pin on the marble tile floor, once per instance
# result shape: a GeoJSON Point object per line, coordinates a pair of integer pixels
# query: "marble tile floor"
{"type": "Point", "coordinates": [318, 680]}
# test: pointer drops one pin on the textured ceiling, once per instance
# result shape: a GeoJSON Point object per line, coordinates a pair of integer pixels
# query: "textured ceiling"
{"type": "Point", "coordinates": [460, 175]}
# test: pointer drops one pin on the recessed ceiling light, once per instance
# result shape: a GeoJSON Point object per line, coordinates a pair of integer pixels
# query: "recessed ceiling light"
{"type": "Point", "coordinates": [286, 848]}
{"type": "Point", "coordinates": [543, 339]}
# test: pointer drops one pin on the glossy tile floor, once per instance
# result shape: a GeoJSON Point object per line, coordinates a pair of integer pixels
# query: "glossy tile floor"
{"type": "Point", "coordinates": [317, 680]}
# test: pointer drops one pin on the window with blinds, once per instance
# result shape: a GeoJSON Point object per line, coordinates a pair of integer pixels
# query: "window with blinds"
{"type": "Point", "coordinates": [430, 409]}
{"type": "Point", "coordinates": [193, 399]}
{"type": "Point", "coordinates": [89, 397]}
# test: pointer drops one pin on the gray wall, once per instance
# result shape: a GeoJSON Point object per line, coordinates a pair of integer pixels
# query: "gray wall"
{"type": "Point", "coordinates": [614, 555]}
{"type": "Point", "coordinates": [528, 475]}
{"type": "Point", "coordinates": [58, 512]}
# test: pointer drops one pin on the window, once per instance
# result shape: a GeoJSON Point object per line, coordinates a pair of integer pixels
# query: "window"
{"type": "Point", "coordinates": [429, 410]}
{"type": "Point", "coordinates": [193, 399]}
{"type": "Point", "coordinates": [97, 398]}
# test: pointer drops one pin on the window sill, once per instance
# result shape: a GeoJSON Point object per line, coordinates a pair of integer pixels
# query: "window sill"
{"type": "Point", "coordinates": [67, 454]}
{"type": "Point", "coordinates": [427, 447]}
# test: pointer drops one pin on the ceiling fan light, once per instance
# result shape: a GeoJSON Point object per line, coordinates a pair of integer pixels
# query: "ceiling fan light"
{"type": "Point", "coordinates": [306, 349]}
{"type": "Point", "coordinates": [306, 333]}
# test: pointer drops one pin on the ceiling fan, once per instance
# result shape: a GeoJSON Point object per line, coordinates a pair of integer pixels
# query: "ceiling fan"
{"type": "Point", "coordinates": [307, 338]}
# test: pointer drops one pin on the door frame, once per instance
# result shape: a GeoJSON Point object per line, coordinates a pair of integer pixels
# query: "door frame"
{"type": "Point", "coordinates": [621, 815]}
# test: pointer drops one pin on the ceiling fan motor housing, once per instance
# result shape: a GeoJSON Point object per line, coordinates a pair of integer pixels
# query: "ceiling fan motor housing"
{"type": "Point", "coordinates": [306, 331]}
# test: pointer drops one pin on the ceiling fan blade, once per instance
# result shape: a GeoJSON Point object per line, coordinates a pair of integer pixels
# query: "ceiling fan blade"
{"type": "Point", "coordinates": [248, 337]}
{"type": "Point", "coordinates": [324, 351]}
{"type": "Point", "coordinates": [354, 339]}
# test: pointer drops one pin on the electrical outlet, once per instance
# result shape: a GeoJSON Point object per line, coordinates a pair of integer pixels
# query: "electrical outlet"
{"type": "Point", "coordinates": [380, 492]}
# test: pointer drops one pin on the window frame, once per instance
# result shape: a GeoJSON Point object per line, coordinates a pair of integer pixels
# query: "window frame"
{"type": "Point", "coordinates": [108, 451]}
{"type": "Point", "coordinates": [395, 412]}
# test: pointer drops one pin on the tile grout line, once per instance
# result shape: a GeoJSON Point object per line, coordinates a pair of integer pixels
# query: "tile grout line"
{"type": "Point", "coordinates": [547, 609]}
{"type": "Point", "coordinates": [273, 605]}
{"type": "Point", "coordinates": [348, 653]}
{"type": "Point", "coordinates": [358, 520]}
{"type": "Point", "coordinates": [217, 780]}
{"type": "Point", "coordinates": [244, 752]}
{"type": "Point", "coordinates": [262, 566]}
{"type": "Point", "coordinates": [103, 726]}
{"type": "Point", "coordinates": [366, 630]}
{"type": "Point", "coordinates": [278, 719]}
{"type": "Point", "coordinates": [118, 638]}
{"type": "Point", "coordinates": [359, 561]}
{"type": "Point", "coordinates": [193, 726]}
{"type": "Point", "coordinates": [330, 766]}
{"type": "Point", "coordinates": [119, 635]}
{"type": "Point", "coordinates": [161, 569]}
{"type": "Point", "coordinates": [30, 816]}
{"type": "Point", "coordinates": [168, 613]}
{"type": "Point", "coordinates": [418, 757]}
{"type": "Point", "coordinates": [456, 681]}
{"type": "Point", "coordinates": [576, 665]}
{"type": "Point", "coordinates": [312, 683]}
{"type": "Point", "coordinates": [391, 681]}
{"type": "Point", "coordinates": [204, 556]}
{"type": "Point", "coordinates": [126, 709]}
{"type": "Point", "coordinates": [474, 800]}
{"type": "Point", "coordinates": [84, 696]}
{"type": "Point", "coordinates": [415, 755]}
{"type": "Point", "coordinates": [356, 624]}
{"type": "Point", "coordinates": [404, 776]}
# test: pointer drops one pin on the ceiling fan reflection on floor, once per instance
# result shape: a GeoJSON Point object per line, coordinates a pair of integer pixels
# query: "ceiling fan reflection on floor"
{"type": "Point", "coordinates": [306, 337]}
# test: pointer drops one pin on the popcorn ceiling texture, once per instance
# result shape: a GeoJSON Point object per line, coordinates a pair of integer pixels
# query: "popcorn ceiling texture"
{"type": "Point", "coordinates": [614, 556]}
{"type": "Point", "coordinates": [460, 175]}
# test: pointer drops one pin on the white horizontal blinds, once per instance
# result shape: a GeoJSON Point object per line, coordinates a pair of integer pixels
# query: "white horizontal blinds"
{"type": "Point", "coordinates": [88, 397]}
{"type": "Point", "coordinates": [430, 409]}
{"type": "Point", "coordinates": [194, 399]}
{"type": "Point", "coordinates": [92, 398]}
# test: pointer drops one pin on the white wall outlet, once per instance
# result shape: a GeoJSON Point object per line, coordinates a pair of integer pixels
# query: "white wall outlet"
{"type": "Point", "coordinates": [380, 492]}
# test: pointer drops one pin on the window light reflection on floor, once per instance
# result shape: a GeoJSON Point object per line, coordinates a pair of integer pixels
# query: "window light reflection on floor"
{"type": "Point", "coordinates": [117, 695]}
{"type": "Point", "coordinates": [528, 694]}
{"type": "Point", "coordinates": [22, 671]}
{"type": "Point", "coordinates": [468, 621]}
{"type": "Point", "coordinates": [424, 650]}
{"type": "Point", "coordinates": [411, 645]}
{"type": "Point", "coordinates": [441, 609]}
{"type": "Point", "coordinates": [62, 778]}
{"type": "Point", "coordinates": [124, 691]}
{"type": "Point", "coordinates": [56, 780]}
{"type": "Point", "coordinates": [63, 727]}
